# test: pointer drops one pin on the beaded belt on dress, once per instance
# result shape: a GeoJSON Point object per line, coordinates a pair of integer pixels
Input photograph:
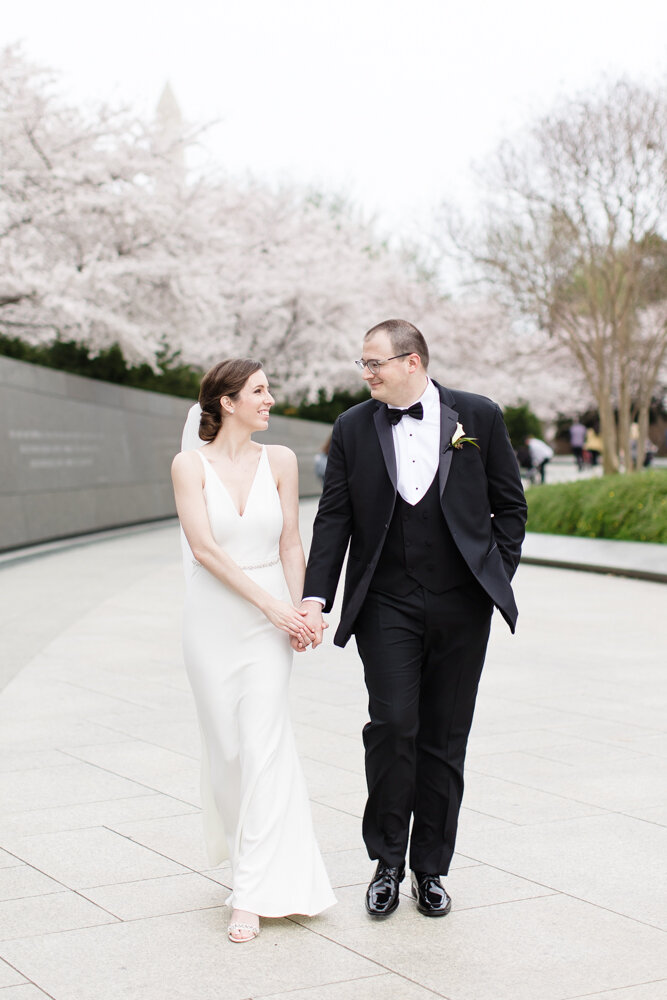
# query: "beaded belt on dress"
{"type": "Point", "coordinates": [264, 565]}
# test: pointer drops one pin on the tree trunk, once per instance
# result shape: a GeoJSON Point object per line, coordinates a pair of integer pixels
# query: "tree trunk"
{"type": "Point", "coordinates": [625, 456]}
{"type": "Point", "coordinates": [608, 435]}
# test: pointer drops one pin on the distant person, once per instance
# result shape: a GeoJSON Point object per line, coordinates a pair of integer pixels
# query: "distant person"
{"type": "Point", "coordinates": [593, 445]}
{"type": "Point", "coordinates": [525, 461]}
{"type": "Point", "coordinates": [540, 454]}
{"type": "Point", "coordinates": [577, 438]}
{"type": "Point", "coordinates": [321, 460]}
{"type": "Point", "coordinates": [634, 444]}
{"type": "Point", "coordinates": [651, 450]}
{"type": "Point", "coordinates": [237, 501]}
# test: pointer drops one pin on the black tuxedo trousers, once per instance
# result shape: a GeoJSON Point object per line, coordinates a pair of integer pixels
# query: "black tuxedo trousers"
{"type": "Point", "coordinates": [423, 655]}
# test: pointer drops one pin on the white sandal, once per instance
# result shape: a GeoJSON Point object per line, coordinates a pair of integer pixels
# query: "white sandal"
{"type": "Point", "coordinates": [239, 926]}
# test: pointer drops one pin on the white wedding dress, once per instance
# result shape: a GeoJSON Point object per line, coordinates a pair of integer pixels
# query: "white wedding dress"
{"type": "Point", "coordinates": [254, 798]}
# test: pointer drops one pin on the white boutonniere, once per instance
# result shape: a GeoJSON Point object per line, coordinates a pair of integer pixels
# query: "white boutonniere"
{"type": "Point", "coordinates": [459, 438]}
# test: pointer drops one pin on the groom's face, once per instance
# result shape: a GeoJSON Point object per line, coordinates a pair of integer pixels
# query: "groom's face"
{"type": "Point", "coordinates": [393, 383]}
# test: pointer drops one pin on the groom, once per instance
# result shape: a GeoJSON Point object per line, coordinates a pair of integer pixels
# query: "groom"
{"type": "Point", "coordinates": [423, 484]}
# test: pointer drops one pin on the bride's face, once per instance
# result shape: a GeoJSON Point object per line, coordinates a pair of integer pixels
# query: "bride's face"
{"type": "Point", "coordinates": [254, 401]}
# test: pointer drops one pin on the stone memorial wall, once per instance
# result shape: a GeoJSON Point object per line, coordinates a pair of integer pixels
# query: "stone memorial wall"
{"type": "Point", "coordinates": [78, 455]}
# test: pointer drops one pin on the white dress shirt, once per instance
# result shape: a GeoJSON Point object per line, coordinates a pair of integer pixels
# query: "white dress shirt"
{"type": "Point", "coordinates": [417, 447]}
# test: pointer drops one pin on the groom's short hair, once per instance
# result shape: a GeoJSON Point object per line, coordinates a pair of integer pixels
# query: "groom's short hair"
{"type": "Point", "coordinates": [405, 338]}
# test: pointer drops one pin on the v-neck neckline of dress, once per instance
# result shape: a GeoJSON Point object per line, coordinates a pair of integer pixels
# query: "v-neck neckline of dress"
{"type": "Point", "coordinates": [252, 485]}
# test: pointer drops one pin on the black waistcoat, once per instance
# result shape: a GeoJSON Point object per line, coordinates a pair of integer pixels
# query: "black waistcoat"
{"type": "Point", "coordinates": [419, 549]}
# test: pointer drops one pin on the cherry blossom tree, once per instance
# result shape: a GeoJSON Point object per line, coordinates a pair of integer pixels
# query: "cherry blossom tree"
{"type": "Point", "coordinates": [485, 349]}
{"type": "Point", "coordinates": [106, 238]}
{"type": "Point", "coordinates": [307, 279]}
{"type": "Point", "coordinates": [93, 230]}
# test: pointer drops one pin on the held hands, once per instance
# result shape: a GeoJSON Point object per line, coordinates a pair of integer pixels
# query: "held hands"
{"type": "Point", "coordinates": [312, 614]}
{"type": "Point", "coordinates": [291, 620]}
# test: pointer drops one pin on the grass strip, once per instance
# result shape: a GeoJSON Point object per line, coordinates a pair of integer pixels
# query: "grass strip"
{"type": "Point", "coordinates": [624, 507]}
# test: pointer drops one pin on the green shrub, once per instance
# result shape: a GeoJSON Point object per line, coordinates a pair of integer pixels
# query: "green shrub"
{"type": "Point", "coordinates": [325, 409]}
{"type": "Point", "coordinates": [109, 365]}
{"type": "Point", "coordinates": [172, 376]}
{"type": "Point", "coordinates": [630, 507]}
{"type": "Point", "coordinates": [521, 423]}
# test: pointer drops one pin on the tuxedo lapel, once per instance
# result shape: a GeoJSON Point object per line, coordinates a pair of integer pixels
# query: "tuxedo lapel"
{"type": "Point", "coordinates": [448, 421]}
{"type": "Point", "coordinates": [386, 438]}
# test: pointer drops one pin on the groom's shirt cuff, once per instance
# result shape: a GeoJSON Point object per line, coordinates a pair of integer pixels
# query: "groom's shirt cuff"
{"type": "Point", "coordinates": [320, 599]}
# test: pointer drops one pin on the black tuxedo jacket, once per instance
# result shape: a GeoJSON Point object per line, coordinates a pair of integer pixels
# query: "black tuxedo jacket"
{"type": "Point", "coordinates": [481, 497]}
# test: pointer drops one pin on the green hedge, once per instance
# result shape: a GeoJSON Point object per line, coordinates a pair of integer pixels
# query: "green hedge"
{"type": "Point", "coordinates": [109, 365]}
{"type": "Point", "coordinates": [521, 423]}
{"type": "Point", "coordinates": [630, 507]}
{"type": "Point", "coordinates": [326, 409]}
{"type": "Point", "coordinates": [172, 376]}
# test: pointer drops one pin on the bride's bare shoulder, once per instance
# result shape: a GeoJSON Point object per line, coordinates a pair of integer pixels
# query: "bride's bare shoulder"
{"type": "Point", "coordinates": [281, 458]}
{"type": "Point", "coordinates": [280, 452]}
{"type": "Point", "coordinates": [186, 464]}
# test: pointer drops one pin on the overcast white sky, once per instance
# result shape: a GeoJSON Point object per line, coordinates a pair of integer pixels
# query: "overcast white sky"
{"type": "Point", "coordinates": [389, 101]}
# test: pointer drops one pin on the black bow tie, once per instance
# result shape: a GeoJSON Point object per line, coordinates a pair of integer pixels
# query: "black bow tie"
{"type": "Point", "coordinates": [416, 411]}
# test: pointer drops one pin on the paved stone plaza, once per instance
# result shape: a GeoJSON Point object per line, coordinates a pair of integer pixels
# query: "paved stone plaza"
{"type": "Point", "coordinates": [558, 884]}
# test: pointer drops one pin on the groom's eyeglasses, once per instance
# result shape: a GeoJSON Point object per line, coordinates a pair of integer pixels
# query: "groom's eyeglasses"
{"type": "Point", "coordinates": [374, 366]}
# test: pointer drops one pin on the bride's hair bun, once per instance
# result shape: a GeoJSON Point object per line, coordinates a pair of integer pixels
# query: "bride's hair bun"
{"type": "Point", "coordinates": [209, 425]}
{"type": "Point", "coordinates": [227, 378]}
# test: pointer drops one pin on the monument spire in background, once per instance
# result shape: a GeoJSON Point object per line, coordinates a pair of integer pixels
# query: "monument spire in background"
{"type": "Point", "coordinates": [169, 131]}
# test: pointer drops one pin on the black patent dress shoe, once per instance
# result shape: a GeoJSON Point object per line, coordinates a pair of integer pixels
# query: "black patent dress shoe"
{"type": "Point", "coordinates": [432, 899]}
{"type": "Point", "coordinates": [382, 893]}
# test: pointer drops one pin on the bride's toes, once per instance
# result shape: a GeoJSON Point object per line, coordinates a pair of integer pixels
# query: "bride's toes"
{"type": "Point", "coordinates": [239, 933]}
{"type": "Point", "coordinates": [244, 926]}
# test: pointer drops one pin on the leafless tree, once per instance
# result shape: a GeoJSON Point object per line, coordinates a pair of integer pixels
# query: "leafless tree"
{"type": "Point", "coordinates": [573, 236]}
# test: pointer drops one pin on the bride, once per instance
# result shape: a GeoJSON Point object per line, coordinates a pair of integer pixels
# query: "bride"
{"type": "Point", "coordinates": [237, 502]}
